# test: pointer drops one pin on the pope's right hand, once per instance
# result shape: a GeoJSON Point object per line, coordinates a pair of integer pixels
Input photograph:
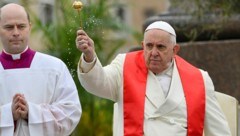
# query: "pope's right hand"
{"type": "Point", "coordinates": [86, 45]}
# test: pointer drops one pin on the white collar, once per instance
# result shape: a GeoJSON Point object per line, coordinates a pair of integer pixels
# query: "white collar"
{"type": "Point", "coordinates": [16, 56]}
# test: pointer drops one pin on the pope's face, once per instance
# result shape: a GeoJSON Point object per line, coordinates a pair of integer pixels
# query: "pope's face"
{"type": "Point", "coordinates": [159, 50]}
{"type": "Point", "coordinates": [14, 29]}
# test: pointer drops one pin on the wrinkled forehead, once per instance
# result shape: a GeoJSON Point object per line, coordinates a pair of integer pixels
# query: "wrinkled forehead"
{"type": "Point", "coordinates": [158, 36]}
{"type": "Point", "coordinates": [156, 33]}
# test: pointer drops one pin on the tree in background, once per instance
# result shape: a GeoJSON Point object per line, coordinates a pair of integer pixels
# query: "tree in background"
{"type": "Point", "coordinates": [201, 20]}
{"type": "Point", "coordinates": [60, 40]}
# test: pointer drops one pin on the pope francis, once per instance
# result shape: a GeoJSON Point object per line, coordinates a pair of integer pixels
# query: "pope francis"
{"type": "Point", "coordinates": [157, 93]}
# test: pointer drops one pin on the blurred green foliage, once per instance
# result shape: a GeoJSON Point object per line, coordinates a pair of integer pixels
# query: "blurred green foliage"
{"type": "Point", "coordinates": [59, 37]}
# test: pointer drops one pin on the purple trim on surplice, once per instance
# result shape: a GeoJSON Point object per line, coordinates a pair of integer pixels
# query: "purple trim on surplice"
{"type": "Point", "coordinates": [24, 61]}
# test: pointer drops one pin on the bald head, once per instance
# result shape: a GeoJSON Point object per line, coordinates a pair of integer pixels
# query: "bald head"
{"type": "Point", "coordinates": [15, 28]}
{"type": "Point", "coordinates": [13, 8]}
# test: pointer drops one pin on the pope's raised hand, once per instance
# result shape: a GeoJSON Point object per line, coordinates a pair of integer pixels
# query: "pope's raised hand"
{"type": "Point", "coordinates": [86, 45]}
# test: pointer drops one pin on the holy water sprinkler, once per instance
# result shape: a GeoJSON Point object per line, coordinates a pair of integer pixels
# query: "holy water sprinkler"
{"type": "Point", "coordinates": [78, 6]}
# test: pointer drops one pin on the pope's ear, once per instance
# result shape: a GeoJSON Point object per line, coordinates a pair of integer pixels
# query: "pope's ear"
{"type": "Point", "coordinates": [176, 49]}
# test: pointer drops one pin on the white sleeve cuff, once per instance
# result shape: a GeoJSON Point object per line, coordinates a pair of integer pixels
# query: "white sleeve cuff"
{"type": "Point", "coordinates": [84, 66]}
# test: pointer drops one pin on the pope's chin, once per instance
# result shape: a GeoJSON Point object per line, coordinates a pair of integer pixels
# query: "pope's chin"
{"type": "Point", "coordinates": [154, 69]}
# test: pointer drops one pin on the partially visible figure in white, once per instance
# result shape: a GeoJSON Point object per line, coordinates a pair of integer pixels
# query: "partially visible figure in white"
{"type": "Point", "coordinates": [38, 94]}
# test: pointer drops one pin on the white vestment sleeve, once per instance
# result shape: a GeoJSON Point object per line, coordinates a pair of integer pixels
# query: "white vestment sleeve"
{"type": "Point", "coordinates": [215, 122]}
{"type": "Point", "coordinates": [6, 120]}
{"type": "Point", "coordinates": [103, 81]}
{"type": "Point", "coordinates": [61, 116]}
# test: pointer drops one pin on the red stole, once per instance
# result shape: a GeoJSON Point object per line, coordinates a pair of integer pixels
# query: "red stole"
{"type": "Point", "coordinates": [135, 78]}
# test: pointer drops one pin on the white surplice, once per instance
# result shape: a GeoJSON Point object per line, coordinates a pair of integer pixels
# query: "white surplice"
{"type": "Point", "coordinates": [52, 96]}
{"type": "Point", "coordinates": [165, 116]}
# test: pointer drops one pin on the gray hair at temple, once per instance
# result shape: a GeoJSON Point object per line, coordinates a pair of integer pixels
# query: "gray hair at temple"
{"type": "Point", "coordinates": [28, 16]}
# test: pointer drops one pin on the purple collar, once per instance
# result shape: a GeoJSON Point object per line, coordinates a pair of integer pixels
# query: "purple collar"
{"type": "Point", "coordinates": [24, 61]}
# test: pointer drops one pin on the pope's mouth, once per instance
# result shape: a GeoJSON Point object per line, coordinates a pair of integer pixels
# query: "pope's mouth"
{"type": "Point", "coordinates": [154, 61]}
